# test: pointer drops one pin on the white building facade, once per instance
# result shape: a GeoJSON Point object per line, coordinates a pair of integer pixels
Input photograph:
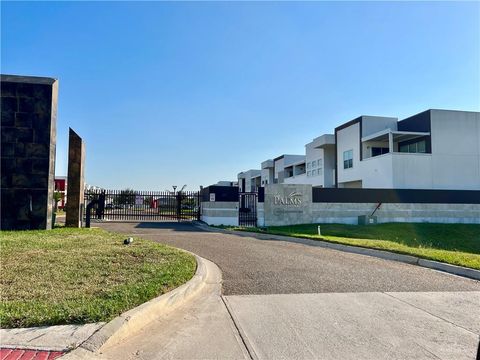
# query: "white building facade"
{"type": "Point", "coordinates": [249, 181]}
{"type": "Point", "coordinates": [320, 161]}
{"type": "Point", "coordinates": [435, 149]}
{"type": "Point", "coordinates": [285, 168]}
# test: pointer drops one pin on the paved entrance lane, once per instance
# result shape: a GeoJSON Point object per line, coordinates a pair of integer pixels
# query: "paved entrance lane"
{"type": "Point", "coordinates": [253, 266]}
{"type": "Point", "coordinates": [359, 325]}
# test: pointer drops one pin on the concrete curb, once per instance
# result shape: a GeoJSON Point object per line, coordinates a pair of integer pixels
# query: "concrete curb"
{"type": "Point", "coordinates": [135, 319]}
{"type": "Point", "coordinates": [409, 259]}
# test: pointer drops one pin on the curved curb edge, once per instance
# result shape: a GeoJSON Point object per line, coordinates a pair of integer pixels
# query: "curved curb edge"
{"type": "Point", "coordinates": [135, 319]}
{"type": "Point", "coordinates": [409, 259]}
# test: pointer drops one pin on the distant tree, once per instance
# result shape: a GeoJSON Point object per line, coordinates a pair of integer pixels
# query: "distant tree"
{"type": "Point", "coordinates": [126, 197]}
{"type": "Point", "coordinates": [148, 200]}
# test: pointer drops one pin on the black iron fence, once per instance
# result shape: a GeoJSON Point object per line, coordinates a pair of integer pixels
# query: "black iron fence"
{"type": "Point", "coordinates": [143, 205]}
{"type": "Point", "coordinates": [247, 211]}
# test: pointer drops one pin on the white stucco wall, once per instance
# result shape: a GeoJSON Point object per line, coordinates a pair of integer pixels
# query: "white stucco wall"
{"type": "Point", "coordinates": [313, 154]}
{"type": "Point", "coordinates": [329, 166]}
{"type": "Point", "coordinates": [279, 169]}
{"type": "Point", "coordinates": [267, 176]}
{"type": "Point", "coordinates": [378, 172]}
{"type": "Point", "coordinates": [298, 179]}
{"type": "Point", "coordinates": [249, 177]}
{"type": "Point", "coordinates": [453, 164]}
{"type": "Point", "coordinates": [412, 171]}
{"type": "Point", "coordinates": [455, 149]}
{"type": "Point", "coordinates": [349, 139]}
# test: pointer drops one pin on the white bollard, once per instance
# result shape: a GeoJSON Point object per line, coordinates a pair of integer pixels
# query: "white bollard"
{"type": "Point", "coordinates": [319, 232]}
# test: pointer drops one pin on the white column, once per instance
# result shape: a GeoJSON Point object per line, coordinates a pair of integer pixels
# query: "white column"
{"type": "Point", "coordinates": [390, 142]}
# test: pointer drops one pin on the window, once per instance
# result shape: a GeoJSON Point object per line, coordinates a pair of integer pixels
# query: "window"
{"type": "Point", "coordinates": [421, 146]}
{"type": "Point", "coordinates": [309, 173]}
{"type": "Point", "coordinates": [314, 172]}
{"type": "Point", "coordinates": [308, 165]}
{"type": "Point", "coordinates": [320, 171]}
{"type": "Point", "coordinates": [348, 159]}
{"type": "Point", "coordinates": [314, 164]}
{"type": "Point", "coordinates": [319, 162]}
{"type": "Point", "coordinates": [416, 147]}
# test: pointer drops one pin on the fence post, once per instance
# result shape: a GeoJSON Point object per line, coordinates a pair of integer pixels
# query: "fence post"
{"type": "Point", "coordinates": [89, 212]}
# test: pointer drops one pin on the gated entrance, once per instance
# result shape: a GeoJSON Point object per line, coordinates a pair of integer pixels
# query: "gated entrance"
{"type": "Point", "coordinates": [247, 212]}
{"type": "Point", "coordinates": [132, 205]}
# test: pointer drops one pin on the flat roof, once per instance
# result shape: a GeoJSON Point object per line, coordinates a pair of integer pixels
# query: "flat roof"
{"type": "Point", "coordinates": [323, 141]}
{"type": "Point", "coordinates": [27, 79]}
{"type": "Point", "coordinates": [267, 164]}
{"type": "Point", "coordinates": [299, 162]}
{"type": "Point", "coordinates": [397, 135]}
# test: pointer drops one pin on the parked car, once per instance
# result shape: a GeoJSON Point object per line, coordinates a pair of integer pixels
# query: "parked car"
{"type": "Point", "coordinates": [109, 206]}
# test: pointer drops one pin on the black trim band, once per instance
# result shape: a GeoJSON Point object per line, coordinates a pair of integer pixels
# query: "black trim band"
{"type": "Point", "coordinates": [414, 196]}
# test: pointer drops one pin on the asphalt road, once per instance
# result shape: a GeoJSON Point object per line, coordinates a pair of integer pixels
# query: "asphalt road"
{"type": "Point", "coordinates": [253, 266]}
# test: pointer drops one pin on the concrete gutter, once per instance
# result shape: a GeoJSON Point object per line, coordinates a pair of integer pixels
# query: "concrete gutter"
{"type": "Point", "coordinates": [135, 319]}
{"type": "Point", "coordinates": [409, 259]}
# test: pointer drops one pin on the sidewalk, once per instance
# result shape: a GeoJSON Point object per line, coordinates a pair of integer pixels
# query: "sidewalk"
{"type": "Point", "coordinates": [199, 329]}
{"type": "Point", "coordinates": [359, 325]}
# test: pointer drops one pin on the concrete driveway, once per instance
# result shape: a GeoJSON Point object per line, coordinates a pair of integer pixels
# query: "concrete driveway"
{"type": "Point", "coordinates": [296, 301]}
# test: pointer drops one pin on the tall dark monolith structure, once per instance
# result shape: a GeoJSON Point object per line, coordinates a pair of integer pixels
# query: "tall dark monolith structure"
{"type": "Point", "coordinates": [76, 180]}
{"type": "Point", "coordinates": [28, 139]}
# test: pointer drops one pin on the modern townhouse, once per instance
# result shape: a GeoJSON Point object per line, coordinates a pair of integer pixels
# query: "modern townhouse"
{"type": "Point", "coordinates": [249, 181]}
{"type": "Point", "coordinates": [267, 172]}
{"type": "Point", "coordinates": [435, 149]}
{"type": "Point", "coordinates": [316, 167]}
{"type": "Point", "coordinates": [226, 183]}
{"type": "Point", "coordinates": [294, 171]}
{"type": "Point", "coordinates": [320, 161]}
{"type": "Point", "coordinates": [289, 169]}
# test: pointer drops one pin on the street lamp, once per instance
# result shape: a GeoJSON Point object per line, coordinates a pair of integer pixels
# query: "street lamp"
{"type": "Point", "coordinates": [174, 188]}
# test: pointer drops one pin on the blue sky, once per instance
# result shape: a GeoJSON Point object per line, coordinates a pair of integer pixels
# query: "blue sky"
{"type": "Point", "coordinates": [191, 93]}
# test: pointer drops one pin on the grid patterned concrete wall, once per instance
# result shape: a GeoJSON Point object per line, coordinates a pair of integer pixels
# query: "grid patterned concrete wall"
{"type": "Point", "coordinates": [220, 213]}
{"type": "Point", "coordinates": [347, 213]}
{"type": "Point", "coordinates": [28, 139]}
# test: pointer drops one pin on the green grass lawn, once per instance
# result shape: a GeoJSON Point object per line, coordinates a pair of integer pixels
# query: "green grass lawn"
{"type": "Point", "coordinates": [457, 244]}
{"type": "Point", "coordinates": [73, 276]}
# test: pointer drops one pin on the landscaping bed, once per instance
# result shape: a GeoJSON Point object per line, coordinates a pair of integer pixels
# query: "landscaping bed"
{"type": "Point", "coordinates": [457, 244]}
{"type": "Point", "coordinates": [75, 276]}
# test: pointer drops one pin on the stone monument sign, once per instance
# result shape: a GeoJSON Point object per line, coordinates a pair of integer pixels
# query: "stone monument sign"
{"type": "Point", "coordinates": [287, 204]}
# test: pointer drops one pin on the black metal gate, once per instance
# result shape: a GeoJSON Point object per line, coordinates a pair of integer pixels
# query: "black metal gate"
{"type": "Point", "coordinates": [247, 212]}
{"type": "Point", "coordinates": [125, 205]}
